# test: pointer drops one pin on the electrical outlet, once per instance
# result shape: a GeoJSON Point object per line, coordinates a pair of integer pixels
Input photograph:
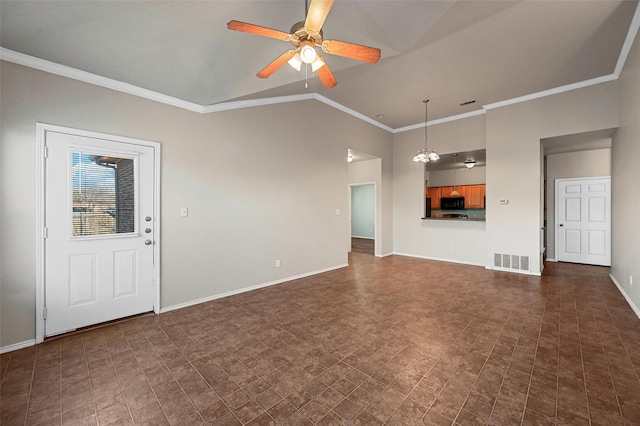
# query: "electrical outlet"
{"type": "Point", "coordinates": [184, 212]}
{"type": "Point", "coordinates": [277, 263]}
{"type": "Point", "coordinates": [453, 248]}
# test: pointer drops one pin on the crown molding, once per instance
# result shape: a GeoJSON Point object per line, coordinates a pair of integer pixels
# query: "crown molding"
{"type": "Point", "coordinates": [352, 112]}
{"type": "Point", "coordinates": [228, 106]}
{"type": "Point", "coordinates": [628, 41]}
{"type": "Point", "coordinates": [440, 121]}
{"type": "Point", "coordinates": [87, 77]}
{"type": "Point", "coordinates": [550, 92]}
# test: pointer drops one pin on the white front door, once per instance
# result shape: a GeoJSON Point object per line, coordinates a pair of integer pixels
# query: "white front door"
{"type": "Point", "coordinates": [583, 222]}
{"type": "Point", "coordinates": [99, 218]}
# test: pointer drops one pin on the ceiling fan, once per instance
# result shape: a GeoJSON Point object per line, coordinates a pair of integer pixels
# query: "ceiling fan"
{"type": "Point", "coordinates": [305, 36]}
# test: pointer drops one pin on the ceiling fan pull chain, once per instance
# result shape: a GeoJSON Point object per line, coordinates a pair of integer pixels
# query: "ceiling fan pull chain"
{"type": "Point", "coordinates": [306, 76]}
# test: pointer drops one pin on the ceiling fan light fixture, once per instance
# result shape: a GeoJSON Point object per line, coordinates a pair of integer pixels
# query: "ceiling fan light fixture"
{"type": "Point", "coordinates": [296, 62]}
{"type": "Point", "coordinates": [469, 163]}
{"type": "Point", "coordinates": [317, 64]}
{"type": "Point", "coordinates": [308, 52]}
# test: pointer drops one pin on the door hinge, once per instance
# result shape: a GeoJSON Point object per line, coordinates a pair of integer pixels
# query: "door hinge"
{"type": "Point", "coordinates": [45, 151]}
{"type": "Point", "coordinates": [45, 232]}
{"type": "Point", "coordinates": [44, 313]}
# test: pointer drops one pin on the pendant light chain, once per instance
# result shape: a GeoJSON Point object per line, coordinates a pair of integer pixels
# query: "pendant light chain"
{"type": "Point", "coordinates": [426, 154]}
{"type": "Point", "coordinates": [426, 119]}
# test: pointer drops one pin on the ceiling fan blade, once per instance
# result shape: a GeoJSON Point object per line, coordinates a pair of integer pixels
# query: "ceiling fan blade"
{"type": "Point", "coordinates": [325, 75]}
{"type": "Point", "coordinates": [275, 65]}
{"type": "Point", "coordinates": [318, 11]}
{"type": "Point", "coordinates": [351, 50]}
{"type": "Point", "coordinates": [258, 30]}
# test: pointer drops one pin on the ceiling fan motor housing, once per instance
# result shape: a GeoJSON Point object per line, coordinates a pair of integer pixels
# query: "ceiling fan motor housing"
{"type": "Point", "coordinates": [299, 34]}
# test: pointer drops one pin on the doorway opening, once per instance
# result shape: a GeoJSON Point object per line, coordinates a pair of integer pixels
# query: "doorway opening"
{"type": "Point", "coordinates": [363, 203]}
{"type": "Point", "coordinates": [575, 156]}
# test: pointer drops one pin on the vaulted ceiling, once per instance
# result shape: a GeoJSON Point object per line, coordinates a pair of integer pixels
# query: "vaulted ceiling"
{"type": "Point", "coordinates": [448, 51]}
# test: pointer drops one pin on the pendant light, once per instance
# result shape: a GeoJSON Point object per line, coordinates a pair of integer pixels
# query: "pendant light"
{"type": "Point", "coordinates": [426, 154]}
{"type": "Point", "coordinates": [455, 192]}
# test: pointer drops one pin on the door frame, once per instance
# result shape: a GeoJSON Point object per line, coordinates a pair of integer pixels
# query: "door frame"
{"type": "Point", "coordinates": [41, 133]}
{"type": "Point", "coordinates": [375, 214]}
{"type": "Point", "coordinates": [557, 209]}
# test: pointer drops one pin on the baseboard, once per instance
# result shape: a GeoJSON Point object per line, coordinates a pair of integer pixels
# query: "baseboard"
{"type": "Point", "coordinates": [515, 271]}
{"type": "Point", "coordinates": [16, 346]}
{"type": "Point", "coordinates": [438, 259]}
{"type": "Point", "coordinates": [363, 238]}
{"type": "Point", "coordinates": [635, 309]}
{"type": "Point", "coordinates": [550, 260]}
{"type": "Point", "coordinates": [385, 254]}
{"type": "Point", "coordinates": [246, 289]}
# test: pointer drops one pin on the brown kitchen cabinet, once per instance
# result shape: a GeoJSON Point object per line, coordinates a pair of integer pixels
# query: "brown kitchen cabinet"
{"type": "Point", "coordinates": [445, 191]}
{"type": "Point", "coordinates": [434, 194]}
{"type": "Point", "coordinates": [474, 196]}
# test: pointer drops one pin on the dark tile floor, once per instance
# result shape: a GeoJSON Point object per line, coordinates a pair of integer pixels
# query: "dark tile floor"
{"type": "Point", "coordinates": [362, 245]}
{"type": "Point", "coordinates": [391, 340]}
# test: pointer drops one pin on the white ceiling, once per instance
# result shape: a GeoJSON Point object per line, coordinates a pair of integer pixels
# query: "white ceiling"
{"type": "Point", "coordinates": [447, 51]}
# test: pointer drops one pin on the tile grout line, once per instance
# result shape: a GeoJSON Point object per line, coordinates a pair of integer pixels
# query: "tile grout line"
{"type": "Point", "coordinates": [535, 354]}
{"type": "Point", "coordinates": [584, 375]}
{"type": "Point", "coordinates": [625, 350]}
{"type": "Point", "coordinates": [179, 384]}
{"type": "Point", "coordinates": [86, 362]}
{"type": "Point", "coordinates": [483, 365]}
{"type": "Point", "coordinates": [116, 372]}
{"type": "Point", "coordinates": [509, 364]}
{"type": "Point", "coordinates": [33, 373]}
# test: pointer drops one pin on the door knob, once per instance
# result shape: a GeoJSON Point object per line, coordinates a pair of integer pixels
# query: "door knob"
{"type": "Point", "coordinates": [147, 243]}
{"type": "Point", "coordinates": [561, 225]}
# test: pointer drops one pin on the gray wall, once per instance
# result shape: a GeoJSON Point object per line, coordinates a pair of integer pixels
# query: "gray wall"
{"type": "Point", "coordinates": [245, 176]}
{"type": "Point", "coordinates": [625, 153]}
{"type": "Point", "coordinates": [515, 162]}
{"type": "Point", "coordinates": [462, 242]}
{"type": "Point", "coordinates": [253, 209]}
{"type": "Point", "coordinates": [514, 171]}
{"type": "Point", "coordinates": [461, 176]}
{"type": "Point", "coordinates": [592, 163]}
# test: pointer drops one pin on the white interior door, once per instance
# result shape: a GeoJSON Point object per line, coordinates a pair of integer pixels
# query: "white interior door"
{"type": "Point", "coordinates": [583, 222]}
{"type": "Point", "coordinates": [99, 254]}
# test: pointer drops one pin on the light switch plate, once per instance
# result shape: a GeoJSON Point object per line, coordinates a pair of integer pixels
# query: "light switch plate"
{"type": "Point", "coordinates": [184, 212]}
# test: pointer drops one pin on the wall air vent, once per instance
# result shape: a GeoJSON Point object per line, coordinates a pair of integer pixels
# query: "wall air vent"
{"type": "Point", "coordinates": [510, 262]}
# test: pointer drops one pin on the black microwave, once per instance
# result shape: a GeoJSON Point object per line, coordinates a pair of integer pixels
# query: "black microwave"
{"type": "Point", "coordinates": [452, 203]}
